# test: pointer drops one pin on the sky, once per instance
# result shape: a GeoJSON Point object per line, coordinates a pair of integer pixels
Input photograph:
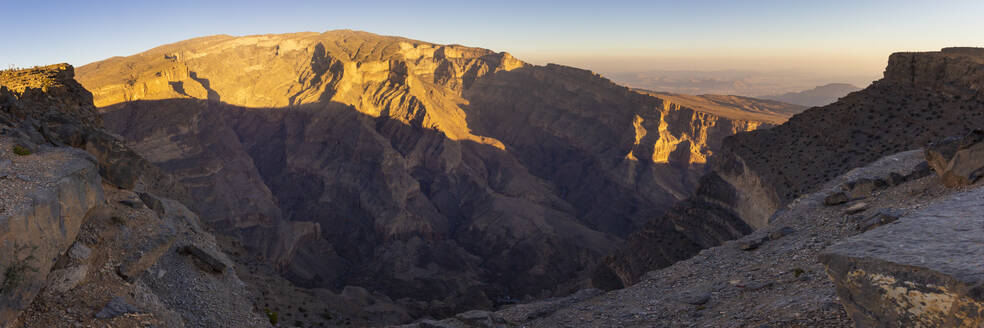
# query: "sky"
{"type": "Point", "coordinates": [818, 37]}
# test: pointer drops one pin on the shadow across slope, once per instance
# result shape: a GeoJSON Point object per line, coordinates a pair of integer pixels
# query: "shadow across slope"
{"type": "Point", "coordinates": [334, 197]}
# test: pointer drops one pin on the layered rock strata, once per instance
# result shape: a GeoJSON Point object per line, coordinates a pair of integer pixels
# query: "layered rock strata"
{"type": "Point", "coordinates": [444, 176]}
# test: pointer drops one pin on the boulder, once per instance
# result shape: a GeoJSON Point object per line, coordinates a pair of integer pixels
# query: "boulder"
{"type": "Point", "coordinates": [925, 270]}
{"type": "Point", "coordinates": [63, 280]}
{"type": "Point", "coordinates": [882, 217]}
{"type": "Point", "coordinates": [79, 251]}
{"type": "Point", "coordinates": [152, 202]}
{"type": "Point", "coordinates": [480, 318]}
{"type": "Point", "coordinates": [115, 308]}
{"type": "Point", "coordinates": [781, 232]}
{"type": "Point", "coordinates": [959, 162]}
{"type": "Point", "coordinates": [939, 153]}
{"type": "Point", "coordinates": [752, 243]}
{"type": "Point", "coordinates": [145, 253]}
{"type": "Point", "coordinates": [204, 259]}
{"type": "Point", "coordinates": [836, 198]}
{"type": "Point", "coordinates": [856, 208]}
{"type": "Point", "coordinates": [862, 188]}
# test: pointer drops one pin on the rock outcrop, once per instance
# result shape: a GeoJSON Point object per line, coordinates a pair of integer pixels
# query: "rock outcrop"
{"type": "Point", "coordinates": [922, 98]}
{"type": "Point", "coordinates": [447, 177]}
{"type": "Point", "coordinates": [76, 241]}
{"type": "Point", "coordinates": [45, 197]}
{"type": "Point", "coordinates": [924, 270]}
{"type": "Point", "coordinates": [958, 161]}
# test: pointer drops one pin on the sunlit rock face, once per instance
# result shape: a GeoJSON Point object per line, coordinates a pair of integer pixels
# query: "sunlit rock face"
{"type": "Point", "coordinates": [445, 176]}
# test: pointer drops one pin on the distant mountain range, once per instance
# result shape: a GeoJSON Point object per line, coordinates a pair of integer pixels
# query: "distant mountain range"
{"type": "Point", "coordinates": [731, 82]}
{"type": "Point", "coordinates": [819, 96]}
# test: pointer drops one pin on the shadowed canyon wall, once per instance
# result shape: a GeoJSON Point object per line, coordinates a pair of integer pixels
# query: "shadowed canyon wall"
{"type": "Point", "coordinates": [447, 177]}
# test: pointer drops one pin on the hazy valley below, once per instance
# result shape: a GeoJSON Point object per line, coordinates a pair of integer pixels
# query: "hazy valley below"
{"type": "Point", "coordinates": [760, 84]}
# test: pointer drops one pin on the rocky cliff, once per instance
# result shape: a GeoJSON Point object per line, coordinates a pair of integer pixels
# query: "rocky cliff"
{"type": "Point", "coordinates": [444, 176]}
{"type": "Point", "coordinates": [884, 243]}
{"type": "Point", "coordinates": [85, 219]}
{"type": "Point", "coordinates": [923, 97]}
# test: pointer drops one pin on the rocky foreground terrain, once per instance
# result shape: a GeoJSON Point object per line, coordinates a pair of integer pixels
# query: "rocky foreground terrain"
{"type": "Point", "coordinates": [91, 234]}
{"type": "Point", "coordinates": [440, 178]}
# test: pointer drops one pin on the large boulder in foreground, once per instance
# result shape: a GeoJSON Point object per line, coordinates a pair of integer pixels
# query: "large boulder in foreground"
{"type": "Point", "coordinates": [925, 270]}
{"type": "Point", "coordinates": [44, 197]}
{"type": "Point", "coordinates": [958, 161]}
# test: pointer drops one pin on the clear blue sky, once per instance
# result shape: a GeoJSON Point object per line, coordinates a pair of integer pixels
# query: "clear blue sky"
{"type": "Point", "coordinates": [826, 36]}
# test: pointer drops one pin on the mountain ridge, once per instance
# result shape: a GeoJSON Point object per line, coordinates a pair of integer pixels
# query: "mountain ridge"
{"type": "Point", "coordinates": [427, 158]}
{"type": "Point", "coordinates": [818, 96]}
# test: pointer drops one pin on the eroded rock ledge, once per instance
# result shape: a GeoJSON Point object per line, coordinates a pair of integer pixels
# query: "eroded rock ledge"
{"type": "Point", "coordinates": [926, 270]}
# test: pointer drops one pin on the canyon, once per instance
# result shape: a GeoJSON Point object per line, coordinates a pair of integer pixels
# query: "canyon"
{"type": "Point", "coordinates": [853, 228]}
{"type": "Point", "coordinates": [445, 177]}
{"type": "Point", "coordinates": [347, 178]}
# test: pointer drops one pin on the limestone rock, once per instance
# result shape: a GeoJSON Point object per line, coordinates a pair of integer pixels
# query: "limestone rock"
{"type": "Point", "coordinates": [116, 307]}
{"type": "Point", "coordinates": [933, 280]}
{"type": "Point", "coordinates": [959, 162]}
{"type": "Point", "coordinates": [752, 244]}
{"type": "Point", "coordinates": [79, 251]}
{"type": "Point", "coordinates": [836, 198]}
{"type": "Point", "coordinates": [146, 250]}
{"type": "Point", "coordinates": [781, 232]}
{"type": "Point", "coordinates": [208, 261]}
{"type": "Point", "coordinates": [856, 208]}
{"type": "Point", "coordinates": [882, 217]}
{"type": "Point", "coordinates": [479, 318]}
{"type": "Point", "coordinates": [939, 153]}
{"type": "Point", "coordinates": [63, 280]}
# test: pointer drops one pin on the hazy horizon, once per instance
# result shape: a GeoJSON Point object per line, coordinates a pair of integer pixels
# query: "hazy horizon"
{"type": "Point", "coordinates": [835, 41]}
